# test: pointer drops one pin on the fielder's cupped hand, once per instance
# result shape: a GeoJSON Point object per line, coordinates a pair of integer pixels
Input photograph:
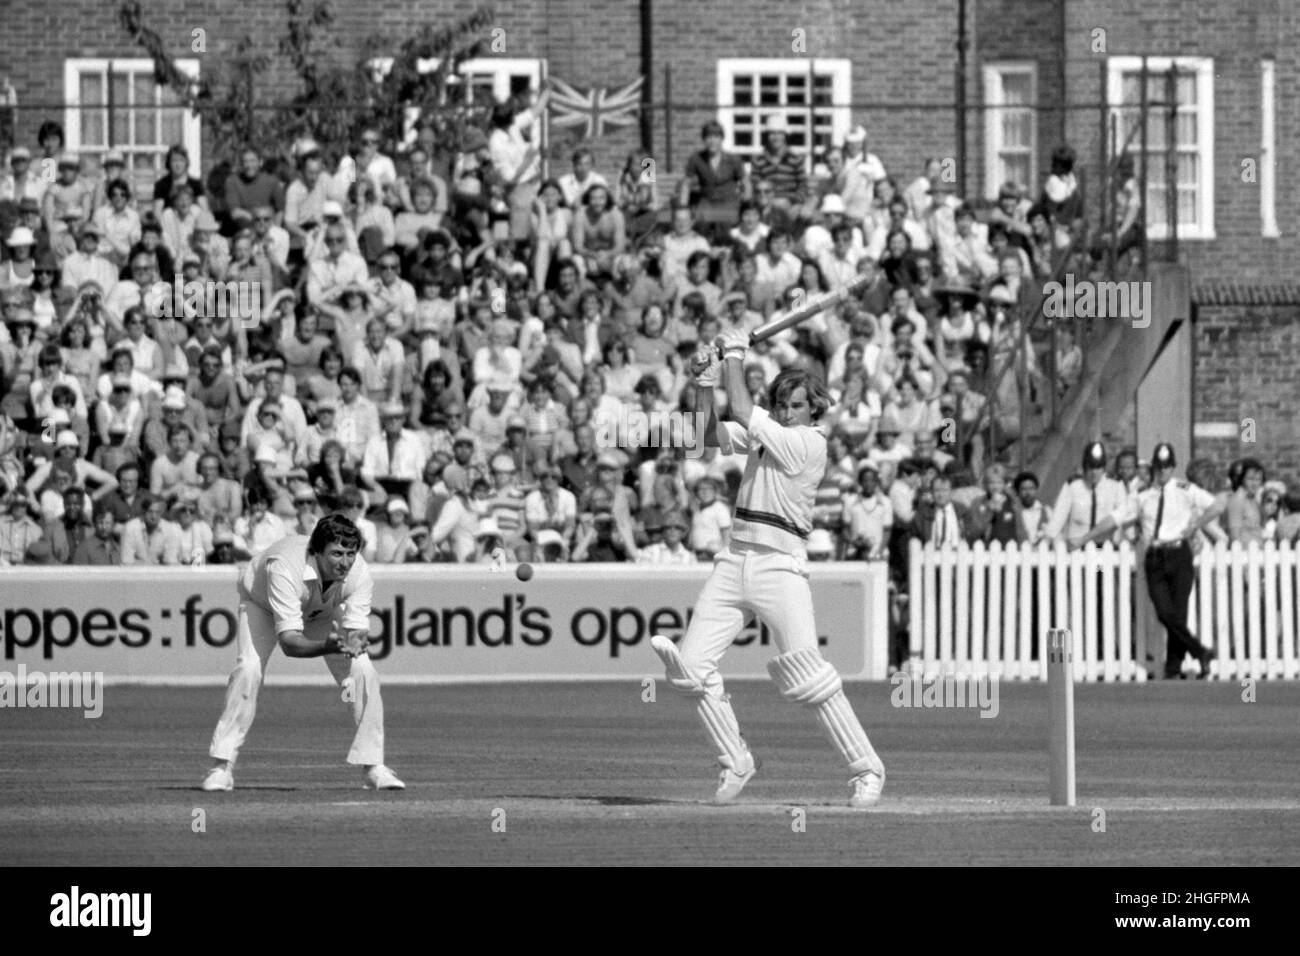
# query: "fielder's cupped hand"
{"type": "Point", "coordinates": [350, 642]}
{"type": "Point", "coordinates": [733, 343]}
{"type": "Point", "coordinates": [705, 366]}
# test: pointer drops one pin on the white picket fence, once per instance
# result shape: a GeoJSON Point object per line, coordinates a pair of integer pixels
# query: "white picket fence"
{"type": "Point", "coordinates": [988, 609]}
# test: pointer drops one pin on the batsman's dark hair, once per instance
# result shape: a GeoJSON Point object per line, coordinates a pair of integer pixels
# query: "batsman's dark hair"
{"type": "Point", "coordinates": [334, 529]}
{"type": "Point", "coordinates": [818, 398]}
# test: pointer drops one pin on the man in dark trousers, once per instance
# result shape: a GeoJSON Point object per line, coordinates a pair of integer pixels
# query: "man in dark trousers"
{"type": "Point", "coordinates": [1169, 514]}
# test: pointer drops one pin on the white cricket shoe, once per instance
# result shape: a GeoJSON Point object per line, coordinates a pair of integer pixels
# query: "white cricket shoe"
{"type": "Point", "coordinates": [731, 782]}
{"type": "Point", "coordinates": [380, 777]}
{"type": "Point", "coordinates": [864, 789]}
{"type": "Point", "coordinates": [219, 778]}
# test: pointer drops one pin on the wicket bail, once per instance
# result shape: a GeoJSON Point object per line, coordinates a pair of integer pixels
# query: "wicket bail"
{"type": "Point", "coordinates": [1060, 689]}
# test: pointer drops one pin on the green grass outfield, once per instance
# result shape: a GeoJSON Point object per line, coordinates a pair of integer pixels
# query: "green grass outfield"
{"type": "Point", "coordinates": [1186, 773]}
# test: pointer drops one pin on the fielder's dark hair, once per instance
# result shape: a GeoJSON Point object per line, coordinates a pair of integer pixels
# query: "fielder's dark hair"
{"type": "Point", "coordinates": [334, 529]}
{"type": "Point", "coordinates": [792, 378]}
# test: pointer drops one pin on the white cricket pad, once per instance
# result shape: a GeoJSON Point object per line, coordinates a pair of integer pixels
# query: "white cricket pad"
{"type": "Point", "coordinates": [715, 713]}
{"type": "Point", "coordinates": [804, 676]}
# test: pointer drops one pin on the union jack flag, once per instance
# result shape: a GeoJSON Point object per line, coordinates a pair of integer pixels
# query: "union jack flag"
{"type": "Point", "coordinates": [594, 109]}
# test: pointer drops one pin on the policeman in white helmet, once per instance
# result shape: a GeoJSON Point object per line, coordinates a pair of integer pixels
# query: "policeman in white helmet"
{"type": "Point", "coordinates": [1169, 514]}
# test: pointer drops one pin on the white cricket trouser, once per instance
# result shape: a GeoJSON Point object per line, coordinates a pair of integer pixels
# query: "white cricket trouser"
{"type": "Point", "coordinates": [257, 641]}
{"type": "Point", "coordinates": [748, 578]}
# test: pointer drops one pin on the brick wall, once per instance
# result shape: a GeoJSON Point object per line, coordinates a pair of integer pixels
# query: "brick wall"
{"type": "Point", "coordinates": [1245, 368]}
{"type": "Point", "coordinates": [1236, 36]}
{"type": "Point", "coordinates": [1017, 30]}
{"type": "Point", "coordinates": [899, 54]}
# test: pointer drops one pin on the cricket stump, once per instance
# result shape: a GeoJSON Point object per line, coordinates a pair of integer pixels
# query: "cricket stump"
{"type": "Point", "coordinates": [1060, 691]}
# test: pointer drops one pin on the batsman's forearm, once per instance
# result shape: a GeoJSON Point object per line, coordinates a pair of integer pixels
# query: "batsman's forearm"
{"type": "Point", "coordinates": [739, 405]}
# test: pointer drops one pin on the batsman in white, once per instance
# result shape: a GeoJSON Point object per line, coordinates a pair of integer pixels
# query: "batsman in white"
{"type": "Point", "coordinates": [311, 596]}
{"type": "Point", "coordinates": [764, 570]}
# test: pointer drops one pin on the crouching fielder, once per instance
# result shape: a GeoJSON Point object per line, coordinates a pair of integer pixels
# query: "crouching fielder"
{"type": "Point", "coordinates": [312, 597]}
{"type": "Point", "coordinates": [764, 570]}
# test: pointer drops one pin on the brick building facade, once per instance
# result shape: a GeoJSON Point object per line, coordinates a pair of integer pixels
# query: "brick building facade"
{"type": "Point", "coordinates": [895, 63]}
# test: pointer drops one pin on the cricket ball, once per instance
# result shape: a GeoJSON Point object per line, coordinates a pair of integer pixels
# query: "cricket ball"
{"type": "Point", "coordinates": [524, 571]}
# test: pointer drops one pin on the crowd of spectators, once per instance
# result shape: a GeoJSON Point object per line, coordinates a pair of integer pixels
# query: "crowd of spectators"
{"type": "Point", "coordinates": [443, 346]}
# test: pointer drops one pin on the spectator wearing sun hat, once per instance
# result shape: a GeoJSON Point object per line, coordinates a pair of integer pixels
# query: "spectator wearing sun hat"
{"type": "Point", "coordinates": [452, 535]}
{"type": "Point", "coordinates": [672, 549]}
{"type": "Point", "coordinates": [21, 182]}
{"type": "Point", "coordinates": [20, 266]}
{"type": "Point", "coordinates": [209, 245]}
{"type": "Point", "coordinates": [195, 539]}
{"type": "Point", "coordinates": [68, 193]}
{"type": "Point", "coordinates": [18, 530]}
{"type": "Point", "coordinates": [270, 433]}
{"type": "Point", "coordinates": [85, 264]}
{"type": "Point", "coordinates": [394, 459]}
{"type": "Point", "coordinates": [394, 542]}
{"type": "Point", "coordinates": [817, 239]}
{"type": "Point", "coordinates": [332, 216]}
{"type": "Point", "coordinates": [550, 507]}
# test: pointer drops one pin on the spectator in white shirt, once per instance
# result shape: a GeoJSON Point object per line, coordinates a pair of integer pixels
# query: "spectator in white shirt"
{"type": "Point", "coordinates": [304, 200]}
{"type": "Point", "coordinates": [855, 154]}
{"type": "Point", "coordinates": [818, 239]}
{"type": "Point", "coordinates": [499, 359]}
{"type": "Point", "coordinates": [396, 455]}
{"type": "Point", "coordinates": [21, 182]}
{"type": "Point", "coordinates": [315, 247]}
{"type": "Point", "coordinates": [337, 270]}
{"type": "Point", "coordinates": [839, 264]}
{"type": "Point", "coordinates": [150, 539]}
{"type": "Point", "coordinates": [1033, 513]}
{"type": "Point", "coordinates": [117, 223]}
{"type": "Point", "coordinates": [711, 521]}
{"type": "Point", "coordinates": [389, 288]}
{"type": "Point", "coordinates": [869, 519]}
{"type": "Point", "coordinates": [376, 167]}
{"type": "Point", "coordinates": [574, 185]}
{"type": "Point", "coordinates": [86, 265]}
{"type": "Point", "coordinates": [517, 165]}
{"type": "Point", "coordinates": [270, 240]}
{"type": "Point", "coordinates": [381, 362]}
{"type": "Point", "coordinates": [672, 549]}
{"type": "Point", "coordinates": [778, 267]}
{"type": "Point", "coordinates": [550, 507]}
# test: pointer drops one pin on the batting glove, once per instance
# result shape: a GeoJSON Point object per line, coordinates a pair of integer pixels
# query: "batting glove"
{"type": "Point", "coordinates": [733, 343]}
{"type": "Point", "coordinates": [705, 367]}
